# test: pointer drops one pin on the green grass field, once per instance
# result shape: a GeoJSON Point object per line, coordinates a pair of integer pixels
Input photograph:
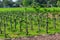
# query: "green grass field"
{"type": "Point", "coordinates": [23, 22]}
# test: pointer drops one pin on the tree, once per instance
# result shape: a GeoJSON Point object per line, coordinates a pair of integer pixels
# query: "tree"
{"type": "Point", "coordinates": [42, 3]}
{"type": "Point", "coordinates": [5, 3]}
{"type": "Point", "coordinates": [27, 2]}
{"type": "Point", "coordinates": [58, 3]}
{"type": "Point", "coordinates": [53, 2]}
{"type": "Point", "coordinates": [10, 3]}
{"type": "Point", "coordinates": [1, 3]}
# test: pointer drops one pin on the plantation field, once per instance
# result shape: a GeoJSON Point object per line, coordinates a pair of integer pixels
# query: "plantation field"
{"type": "Point", "coordinates": [23, 22]}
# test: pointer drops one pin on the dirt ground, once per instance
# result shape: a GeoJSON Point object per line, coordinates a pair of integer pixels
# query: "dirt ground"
{"type": "Point", "coordinates": [41, 37]}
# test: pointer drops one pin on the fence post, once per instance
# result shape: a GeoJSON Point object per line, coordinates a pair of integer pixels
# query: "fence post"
{"type": "Point", "coordinates": [26, 24]}
{"type": "Point", "coordinates": [11, 24]}
{"type": "Point", "coordinates": [20, 25]}
{"type": "Point", "coordinates": [38, 19]}
{"type": "Point", "coordinates": [15, 23]}
{"type": "Point", "coordinates": [54, 22]}
{"type": "Point", "coordinates": [47, 24]}
{"type": "Point", "coordinates": [0, 28]}
{"type": "Point", "coordinates": [31, 23]}
{"type": "Point", "coordinates": [5, 30]}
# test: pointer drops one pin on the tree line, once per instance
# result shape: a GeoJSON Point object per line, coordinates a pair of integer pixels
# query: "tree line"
{"type": "Point", "coordinates": [20, 3]}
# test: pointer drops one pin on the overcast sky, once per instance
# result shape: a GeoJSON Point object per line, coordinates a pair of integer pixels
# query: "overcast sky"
{"type": "Point", "coordinates": [14, 0]}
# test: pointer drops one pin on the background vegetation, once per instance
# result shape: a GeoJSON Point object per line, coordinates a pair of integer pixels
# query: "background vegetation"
{"type": "Point", "coordinates": [22, 3]}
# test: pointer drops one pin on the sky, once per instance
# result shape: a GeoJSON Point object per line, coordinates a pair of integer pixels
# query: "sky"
{"type": "Point", "coordinates": [14, 0]}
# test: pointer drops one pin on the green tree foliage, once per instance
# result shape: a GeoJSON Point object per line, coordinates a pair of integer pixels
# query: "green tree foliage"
{"type": "Point", "coordinates": [42, 3]}
{"type": "Point", "coordinates": [27, 2]}
{"type": "Point", "coordinates": [7, 3]}
{"type": "Point", "coordinates": [58, 3]}
{"type": "Point", "coordinates": [53, 2]}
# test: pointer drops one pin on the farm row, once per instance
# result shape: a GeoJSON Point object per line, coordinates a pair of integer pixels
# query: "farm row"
{"type": "Point", "coordinates": [19, 22]}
